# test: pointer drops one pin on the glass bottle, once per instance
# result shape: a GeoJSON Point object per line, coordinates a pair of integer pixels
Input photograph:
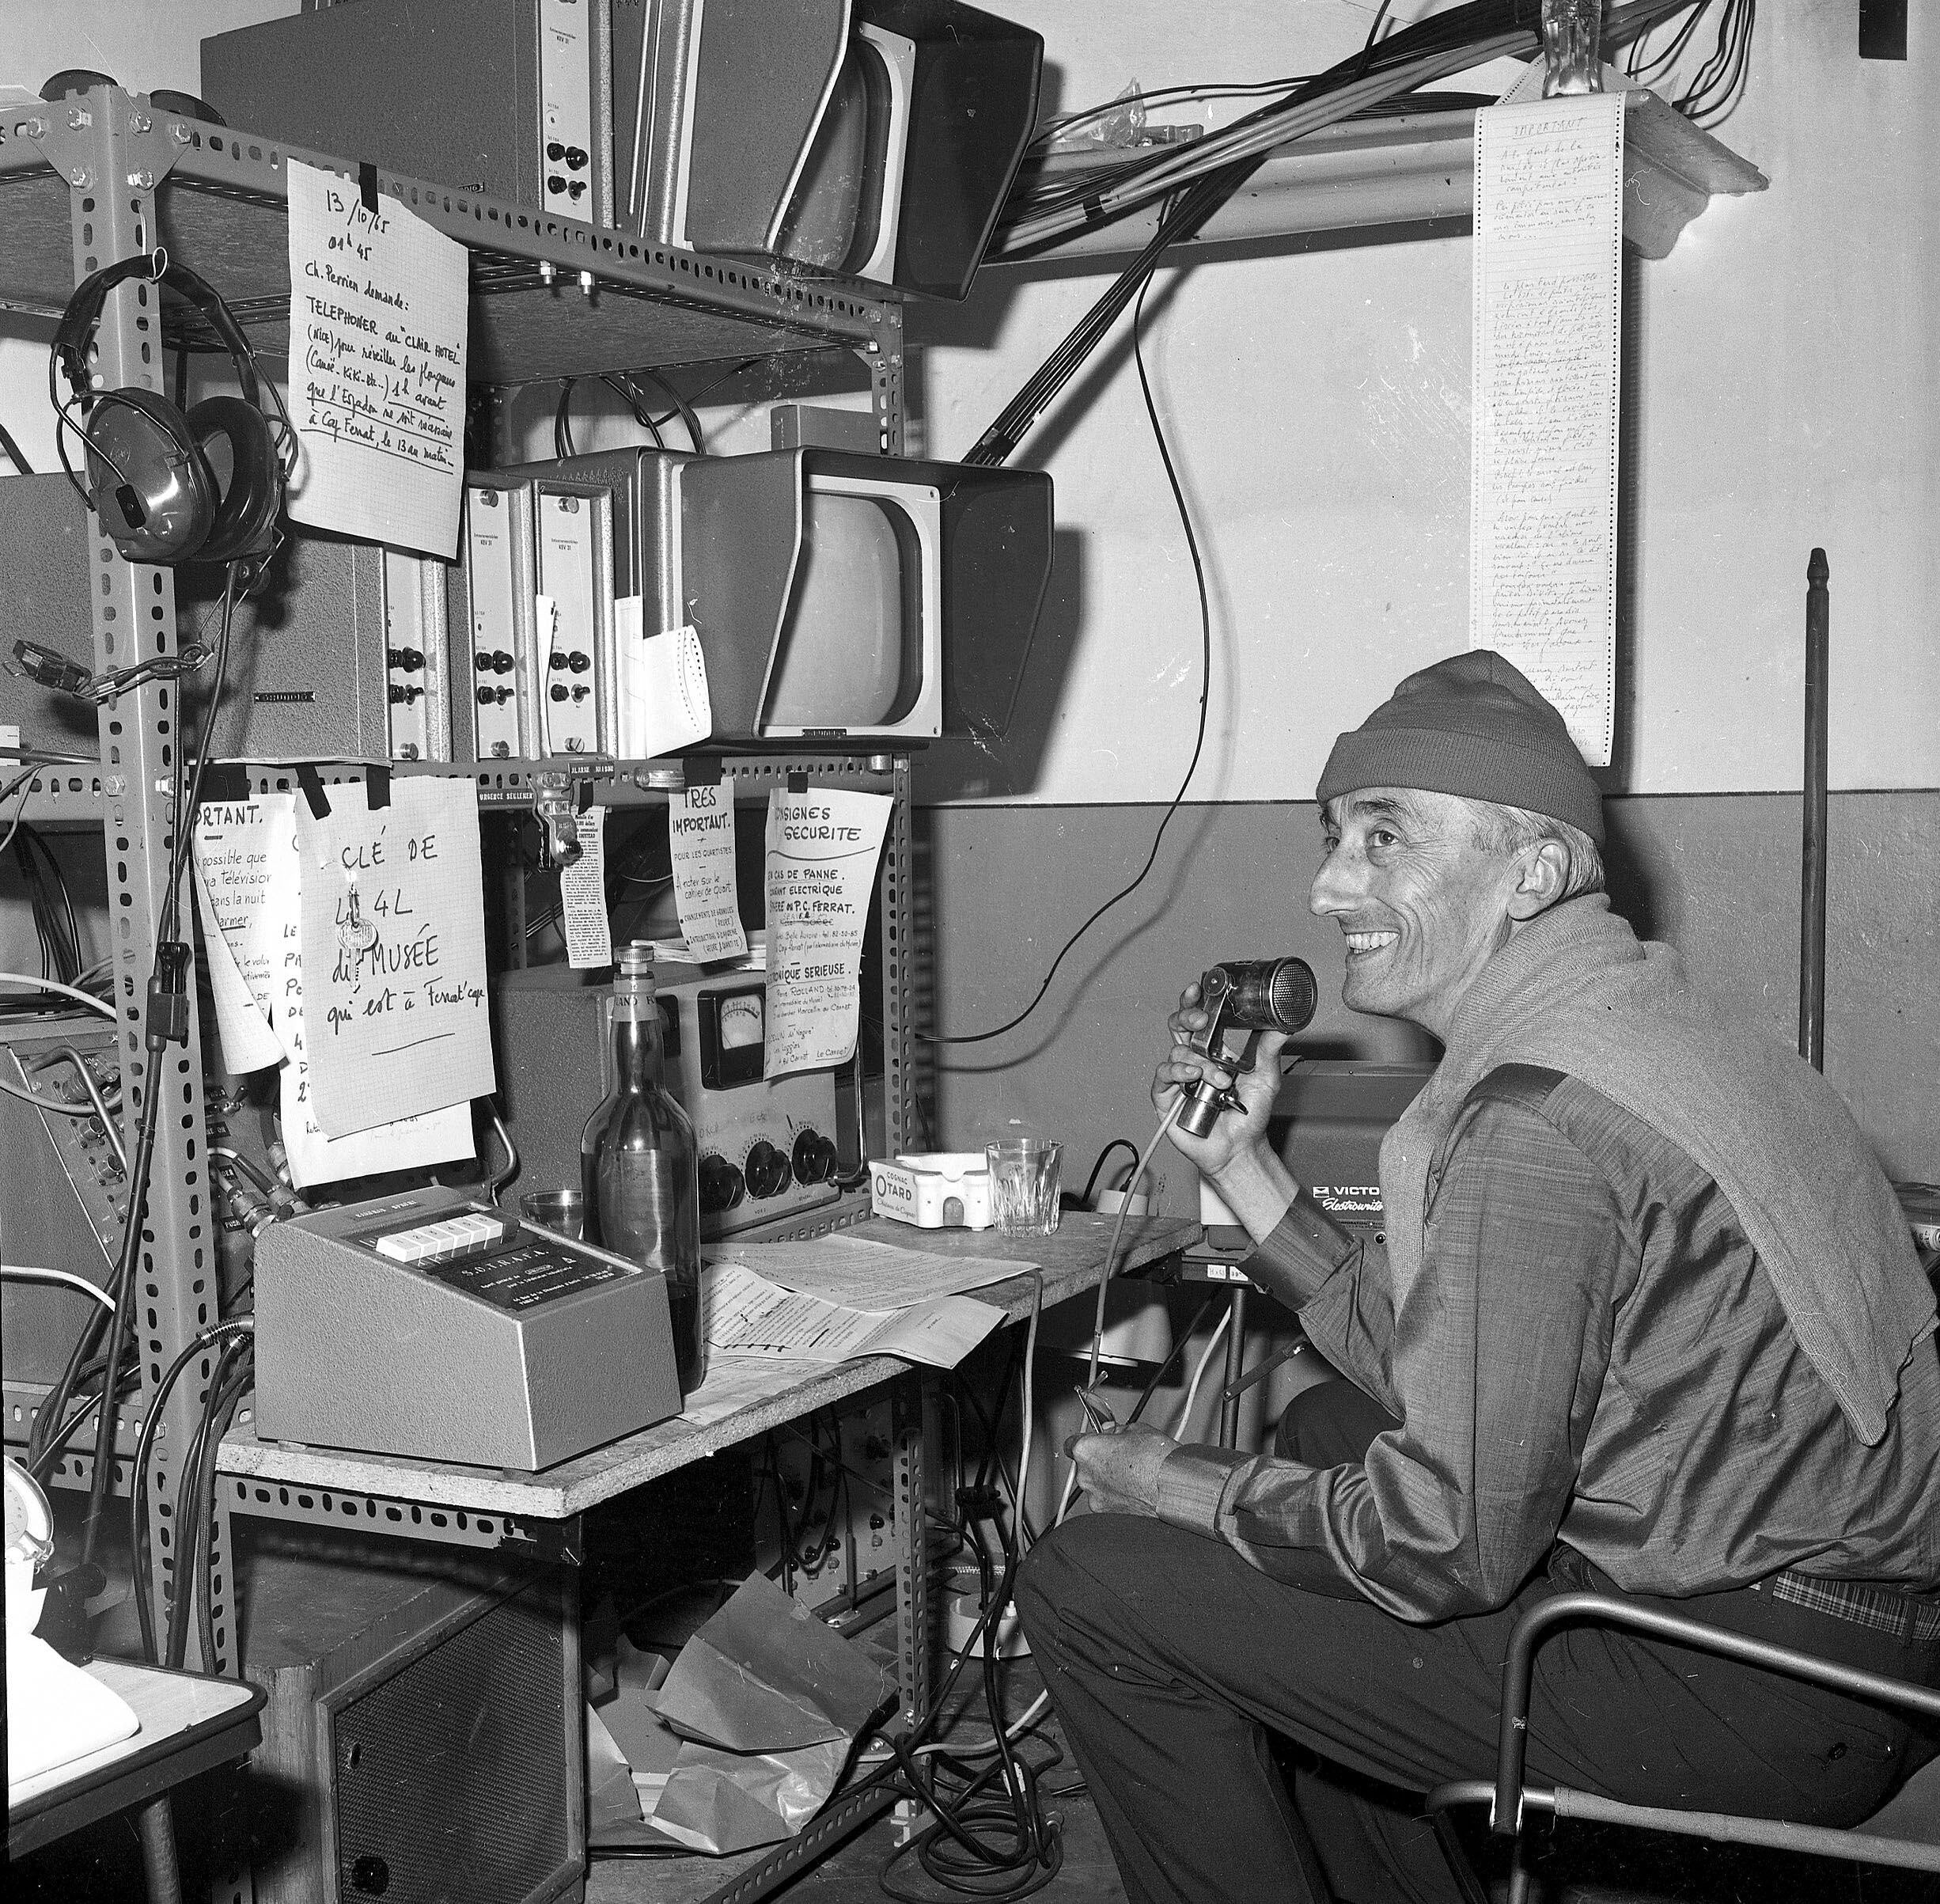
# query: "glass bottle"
{"type": "Point", "coordinates": [639, 1163]}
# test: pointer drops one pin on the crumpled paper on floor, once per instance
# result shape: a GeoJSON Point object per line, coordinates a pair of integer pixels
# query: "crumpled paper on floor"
{"type": "Point", "coordinates": [765, 1675]}
{"type": "Point", "coordinates": [770, 1701]}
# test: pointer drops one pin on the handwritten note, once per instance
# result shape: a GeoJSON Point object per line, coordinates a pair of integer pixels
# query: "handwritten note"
{"type": "Point", "coordinates": [583, 897]}
{"type": "Point", "coordinates": [822, 846]}
{"type": "Point", "coordinates": [700, 826]}
{"type": "Point", "coordinates": [248, 886]}
{"type": "Point", "coordinates": [377, 356]}
{"type": "Point", "coordinates": [393, 941]}
{"type": "Point", "coordinates": [1549, 227]}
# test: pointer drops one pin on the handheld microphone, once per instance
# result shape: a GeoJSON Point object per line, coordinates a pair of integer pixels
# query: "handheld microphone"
{"type": "Point", "coordinates": [1243, 998]}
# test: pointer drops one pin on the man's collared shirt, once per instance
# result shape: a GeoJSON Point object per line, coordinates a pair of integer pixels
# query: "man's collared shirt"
{"type": "Point", "coordinates": [1592, 1353]}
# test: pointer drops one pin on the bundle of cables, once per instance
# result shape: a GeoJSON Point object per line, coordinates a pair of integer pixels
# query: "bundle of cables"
{"type": "Point", "coordinates": [991, 1837]}
{"type": "Point", "coordinates": [228, 1373]}
{"type": "Point", "coordinates": [1199, 176]}
{"type": "Point", "coordinates": [1719, 81]}
{"type": "Point", "coordinates": [166, 1022]}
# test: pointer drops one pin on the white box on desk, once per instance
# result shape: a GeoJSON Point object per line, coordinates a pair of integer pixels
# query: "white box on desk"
{"type": "Point", "coordinates": [938, 1190]}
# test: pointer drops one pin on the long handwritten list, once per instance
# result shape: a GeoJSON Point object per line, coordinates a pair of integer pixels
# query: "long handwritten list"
{"type": "Point", "coordinates": [377, 366]}
{"type": "Point", "coordinates": [1549, 209]}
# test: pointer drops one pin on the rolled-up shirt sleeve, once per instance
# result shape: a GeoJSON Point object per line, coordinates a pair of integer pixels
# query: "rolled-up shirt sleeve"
{"type": "Point", "coordinates": [1492, 1362]}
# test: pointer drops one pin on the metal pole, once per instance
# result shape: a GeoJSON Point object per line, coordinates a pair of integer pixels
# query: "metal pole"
{"type": "Point", "coordinates": [1235, 1367]}
{"type": "Point", "coordinates": [1812, 866]}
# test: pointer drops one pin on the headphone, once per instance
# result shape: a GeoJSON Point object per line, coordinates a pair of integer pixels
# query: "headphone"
{"type": "Point", "coordinates": [150, 478]}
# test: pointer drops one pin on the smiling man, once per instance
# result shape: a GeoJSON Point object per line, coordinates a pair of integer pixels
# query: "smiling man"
{"type": "Point", "coordinates": [1647, 1319]}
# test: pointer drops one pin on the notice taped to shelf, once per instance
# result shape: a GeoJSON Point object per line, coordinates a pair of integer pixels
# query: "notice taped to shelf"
{"type": "Point", "coordinates": [583, 897]}
{"type": "Point", "coordinates": [393, 941]}
{"type": "Point", "coordinates": [248, 887]}
{"type": "Point", "coordinates": [700, 827]}
{"type": "Point", "coordinates": [377, 366]}
{"type": "Point", "coordinates": [245, 857]}
{"type": "Point", "coordinates": [822, 848]}
{"type": "Point", "coordinates": [1548, 300]}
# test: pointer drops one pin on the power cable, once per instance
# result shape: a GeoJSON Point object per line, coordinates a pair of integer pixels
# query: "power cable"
{"type": "Point", "coordinates": [1199, 739]}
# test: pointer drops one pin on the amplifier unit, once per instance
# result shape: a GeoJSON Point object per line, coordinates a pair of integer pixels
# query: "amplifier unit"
{"type": "Point", "coordinates": [489, 615]}
{"type": "Point", "coordinates": [512, 98]}
{"type": "Point", "coordinates": [46, 531]}
{"type": "Point", "coordinates": [341, 655]}
{"type": "Point", "coordinates": [766, 1150]}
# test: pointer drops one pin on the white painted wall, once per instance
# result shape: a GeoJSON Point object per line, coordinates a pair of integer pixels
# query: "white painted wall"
{"type": "Point", "coordinates": [1789, 392]}
{"type": "Point", "coordinates": [1788, 382]}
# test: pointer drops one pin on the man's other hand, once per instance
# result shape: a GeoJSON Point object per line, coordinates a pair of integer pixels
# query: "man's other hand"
{"type": "Point", "coordinates": [1119, 1472]}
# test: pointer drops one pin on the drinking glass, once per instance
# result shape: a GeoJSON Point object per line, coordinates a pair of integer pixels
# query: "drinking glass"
{"type": "Point", "coordinates": [562, 1211]}
{"type": "Point", "coordinates": [1024, 1185]}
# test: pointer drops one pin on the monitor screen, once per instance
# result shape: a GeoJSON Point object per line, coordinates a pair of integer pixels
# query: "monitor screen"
{"type": "Point", "coordinates": [851, 651]}
{"type": "Point", "coordinates": [843, 214]}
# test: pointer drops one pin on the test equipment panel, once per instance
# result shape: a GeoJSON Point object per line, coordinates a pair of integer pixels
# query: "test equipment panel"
{"type": "Point", "coordinates": [474, 1338]}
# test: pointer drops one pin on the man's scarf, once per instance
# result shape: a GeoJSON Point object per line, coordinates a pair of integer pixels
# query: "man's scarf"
{"type": "Point", "coordinates": [1574, 991]}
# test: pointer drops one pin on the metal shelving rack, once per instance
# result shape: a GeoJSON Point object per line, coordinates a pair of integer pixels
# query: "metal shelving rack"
{"type": "Point", "coordinates": [106, 175]}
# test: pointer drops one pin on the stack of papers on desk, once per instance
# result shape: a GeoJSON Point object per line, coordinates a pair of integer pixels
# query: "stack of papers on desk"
{"type": "Point", "coordinates": [837, 1298]}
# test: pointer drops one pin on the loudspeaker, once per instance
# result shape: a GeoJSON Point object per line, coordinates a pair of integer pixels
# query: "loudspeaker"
{"type": "Point", "coordinates": [150, 472]}
{"type": "Point", "coordinates": [424, 1735]}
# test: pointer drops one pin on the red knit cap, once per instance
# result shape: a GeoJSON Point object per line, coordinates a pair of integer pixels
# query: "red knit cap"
{"type": "Point", "coordinates": [1473, 725]}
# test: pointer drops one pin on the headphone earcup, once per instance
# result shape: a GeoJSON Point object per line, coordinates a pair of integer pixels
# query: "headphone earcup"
{"type": "Point", "coordinates": [149, 483]}
{"type": "Point", "coordinates": [245, 515]}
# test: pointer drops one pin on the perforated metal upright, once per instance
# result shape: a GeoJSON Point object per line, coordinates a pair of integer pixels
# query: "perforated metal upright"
{"type": "Point", "coordinates": [113, 154]}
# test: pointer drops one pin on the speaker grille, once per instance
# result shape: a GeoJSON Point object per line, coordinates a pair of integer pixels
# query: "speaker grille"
{"type": "Point", "coordinates": [452, 1786]}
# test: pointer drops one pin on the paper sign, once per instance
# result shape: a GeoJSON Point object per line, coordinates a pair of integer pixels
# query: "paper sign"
{"type": "Point", "coordinates": [583, 897]}
{"type": "Point", "coordinates": [377, 354]}
{"type": "Point", "coordinates": [664, 704]}
{"type": "Point", "coordinates": [1549, 277]}
{"type": "Point", "coordinates": [700, 827]}
{"type": "Point", "coordinates": [410, 1144]}
{"type": "Point", "coordinates": [393, 940]}
{"type": "Point", "coordinates": [821, 866]}
{"type": "Point", "coordinates": [248, 882]}
{"type": "Point", "coordinates": [238, 848]}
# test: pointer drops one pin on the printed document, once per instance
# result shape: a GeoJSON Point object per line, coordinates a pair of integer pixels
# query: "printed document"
{"type": "Point", "coordinates": [746, 1315]}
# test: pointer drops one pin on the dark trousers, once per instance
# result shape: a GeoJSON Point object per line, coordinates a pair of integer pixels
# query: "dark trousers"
{"type": "Point", "coordinates": [1170, 1659]}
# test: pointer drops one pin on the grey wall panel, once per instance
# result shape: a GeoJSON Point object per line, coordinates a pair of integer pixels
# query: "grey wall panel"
{"type": "Point", "coordinates": [1717, 875]}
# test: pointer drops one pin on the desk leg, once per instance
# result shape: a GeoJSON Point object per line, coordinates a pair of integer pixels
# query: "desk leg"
{"type": "Point", "coordinates": [912, 1551]}
{"type": "Point", "coordinates": [1236, 1367]}
{"type": "Point", "coordinates": [157, 1826]}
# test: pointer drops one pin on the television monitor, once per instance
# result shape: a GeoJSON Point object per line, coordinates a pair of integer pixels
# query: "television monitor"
{"type": "Point", "coordinates": [876, 138]}
{"type": "Point", "coordinates": [833, 592]}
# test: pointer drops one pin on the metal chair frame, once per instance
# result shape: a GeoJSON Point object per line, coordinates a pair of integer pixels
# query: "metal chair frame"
{"type": "Point", "coordinates": [1509, 1799]}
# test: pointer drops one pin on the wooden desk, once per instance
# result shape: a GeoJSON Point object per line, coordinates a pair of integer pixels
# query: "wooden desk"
{"type": "Point", "coordinates": [190, 1724]}
{"type": "Point", "coordinates": [1071, 1260]}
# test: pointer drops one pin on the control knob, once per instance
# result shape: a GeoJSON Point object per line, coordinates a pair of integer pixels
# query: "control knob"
{"type": "Point", "coordinates": [814, 1158]}
{"type": "Point", "coordinates": [721, 1184]}
{"type": "Point", "coordinates": [766, 1170]}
